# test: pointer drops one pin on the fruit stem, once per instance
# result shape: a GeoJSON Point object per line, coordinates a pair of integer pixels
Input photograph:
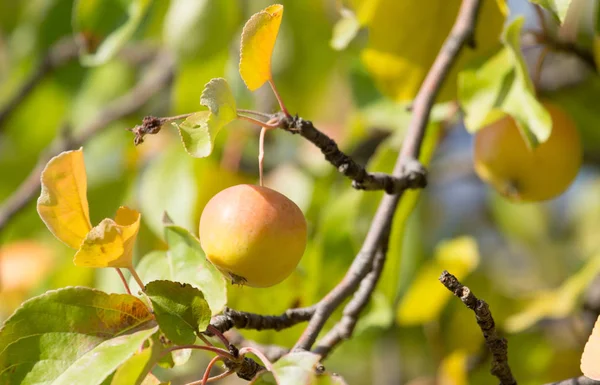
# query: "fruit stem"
{"type": "Point", "coordinates": [258, 122]}
{"type": "Point", "coordinates": [252, 112]}
{"type": "Point", "coordinates": [123, 280]}
{"type": "Point", "coordinates": [137, 278]}
{"type": "Point", "coordinates": [221, 352]}
{"type": "Point", "coordinates": [279, 100]}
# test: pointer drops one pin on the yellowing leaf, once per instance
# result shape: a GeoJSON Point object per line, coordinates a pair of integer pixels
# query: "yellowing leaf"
{"type": "Point", "coordinates": [405, 37]}
{"type": "Point", "coordinates": [453, 369]}
{"type": "Point", "coordinates": [63, 204]}
{"type": "Point", "coordinates": [590, 358]}
{"type": "Point", "coordinates": [219, 99]}
{"type": "Point", "coordinates": [557, 303]}
{"type": "Point", "coordinates": [110, 244]}
{"type": "Point", "coordinates": [258, 40]}
{"type": "Point", "coordinates": [426, 297]}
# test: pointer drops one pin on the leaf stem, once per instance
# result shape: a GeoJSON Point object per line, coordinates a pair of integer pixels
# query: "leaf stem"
{"type": "Point", "coordinates": [204, 339]}
{"type": "Point", "coordinates": [168, 119]}
{"type": "Point", "coordinates": [257, 113]}
{"type": "Point", "coordinates": [123, 280]}
{"type": "Point", "coordinates": [208, 368]}
{"type": "Point", "coordinates": [263, 358]}
{"type": "Point", "coordinates": [279, 100]}
{"type": "Point", "coordinates": [258, 122]}
{"type": "Point", "coordinates": [221, 352]}
{"type": "Point", "coordinates": [137, 278]}
{"type": "Point", "coordinates": [210, 328]}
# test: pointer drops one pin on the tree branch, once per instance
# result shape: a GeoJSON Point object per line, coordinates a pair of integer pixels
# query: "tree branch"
{"type": "Point", "coordinates": [160, 74]}
{"type": "Point", "coordinates": [413, 174]}
{"type": "Point", "coordinates": [460, 35]}
{"type": "Point", "coordinates": [58, 55]}
{"type": "Point", "coordinates": [496, 344]}
{"type": "Point", "coordinates": [244, 320]}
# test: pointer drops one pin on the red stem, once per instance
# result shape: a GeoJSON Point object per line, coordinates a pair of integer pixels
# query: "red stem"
{"type": "Point", "coordinates": [123, 280]}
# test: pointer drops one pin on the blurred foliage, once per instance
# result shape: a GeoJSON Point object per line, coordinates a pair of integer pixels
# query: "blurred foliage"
{"type": "Point", "coordinates": [532, 263]}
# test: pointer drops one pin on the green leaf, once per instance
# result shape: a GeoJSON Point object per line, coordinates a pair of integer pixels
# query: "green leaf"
{"type": "Point", "coordinates": [90, 21]}
{"type": "Point", "coordinates": [136, 368]}
{"type": "Point", "coordinates": [345, 30]}
{"type": "Point", "coordinates": [291, 369]}
{"type": "Point", "coordinates": [70, 336]}
{"type": "Point", "coordinates": [198, 131]}
{"type": "Point", "coordinates": [558, 8]}
{"type": "Point", "coordinates": [184, 262]}
{"type": "Point", "coordinates": [500, 84]}
{"type": "Point", "coordinates": [168, 184]}
{"type": "Point", "coordinates": [180, 310]}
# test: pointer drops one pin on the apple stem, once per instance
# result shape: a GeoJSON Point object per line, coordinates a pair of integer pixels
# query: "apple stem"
{"type": "Point", "coordinates": [220, 352]}
{"type": "Point", "coordinates": [263, 358]}
{"type": "Point", "coordinates": [123, 280]}
{"type": "Point", "coordinates": [261, 154]}
{"type": "Point", "coordinates": [259, 122]}
{"type": "Point", "coordinates": [137, 278]}
{"type": "Point", "coordinates": [208, 368]}
{"type": "Point", "coordinates": [279, 100]}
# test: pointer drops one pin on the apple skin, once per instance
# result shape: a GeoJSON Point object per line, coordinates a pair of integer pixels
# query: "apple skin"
{"type": "Point", "coordinates": [254, 235]}
{"type": "Point", "coordinates": [503, 159]}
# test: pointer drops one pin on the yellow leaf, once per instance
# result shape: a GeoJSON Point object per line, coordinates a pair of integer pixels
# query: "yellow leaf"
{"type": "Point", "coordinates": [453, 369]}
{"type": "Point", "coordinates": [110, 244]}
{"type": "Point", "coordinates": [258, 40]}
{"type": "Point", "coordinates": [405, 37]}
{"type": "Point", "coordinates": [426, 296]}
{"type": "Point", "coordinates": [63, 204]}
{"type": "Point", "coordinates": [557, 303]}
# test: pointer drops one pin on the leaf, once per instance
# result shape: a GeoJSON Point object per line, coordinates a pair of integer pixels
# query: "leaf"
{"type": "Point", "coordinates": [345, 30]}
{"type": "Point", "coordinates": [135, 369]}
{"type": "Point", "coordinates": [404, 39]}
{"type": "Point", "coordinates": [557, 303]}
{"type": "Point", "coordinates": [219, 99]}
{"type": "Point", "coordinates": [258, 40]}
{"type": "Point", "coordinates": [70, 336]}
{"type": "Point", "coordinates": [88, 20]}
{"type": "Point", "coordinates": [168, 184]}
{"type": "Point", "coordinates": [500, 84]}
{"type": "Point", "coordinates": [184, 262]}
{"type": "Point", "coordinates": [558, 8]}
{"type": "Point", "coordinates": [291, 369]}
{"type": "Point", "coordinates": [63, 204]}
{"type": "Point", "coordinates": [180, 310]}
{"type": "Point", "coordinates": [426, 297]}
{"type": "Point", "coordinates": [591, 354]}
{"type": "Point", "coordinates": [110, 244]}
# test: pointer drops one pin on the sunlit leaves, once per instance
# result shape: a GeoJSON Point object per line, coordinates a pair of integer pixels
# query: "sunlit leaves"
{"type": "Point", "coordinates": [558, 8]}
{"type": "Point", "coordinates": [556, 303]}
{"type": "Point", "coordinates": [425, 298]}
{"type": "Point", "coordinates": [63, 204]}
{"type": "Point", "coordinates": [199, 130]}
{"type": "Point", "coordinates": [110, 244]}
{"type": "Point", "coordinates": [500, 84]}
{"type": "Point", "coordinates": [63, 207]}
{"type": "Point", "coordinates": [185, 262]}
{"type": "Point", "coordinates": [101, 38]}
{"type": "Point", "coordinates": [136, 368]}
{"type": "Point", "coordinates": [590, 358]}
{"type": "Point", "coordinates": [180, 310]}
{"type": "Point", "coordinates": [258, 40]}
{"type": "Point", "coordinates": [404, 39]}
{"type": "Point", "coordinates": [72, 336]}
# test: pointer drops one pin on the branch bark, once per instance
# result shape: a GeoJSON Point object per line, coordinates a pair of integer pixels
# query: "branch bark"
{"type": "Point", "coordinates": [497, 345]}
{"type": "Point", "coordinates": [244, 320]}
{"type": "Point", "coordinates": [160, 74]}
{"type": "Point", "coordinates": [461, 34]}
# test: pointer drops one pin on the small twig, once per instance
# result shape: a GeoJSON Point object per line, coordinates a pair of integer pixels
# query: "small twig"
{"type": "Point", "coordinates": [137, 278]}
{"type": "Point", "coordinates": [497, 345]}
{"type": "Point", "coordinates": [58, 55]}
{"type": "Point", "coordinates": [462, 33]}
{"type": "Point", "coordinates": [413, 174]}
{"type": "Point", "coordinates": [160, 74]}
{"type": "Point", "coordinates": [344, 328]}
{"type": "Point", "coordinates": [123, 280]}
{"type": "Point", "coordinates": [151, 125]}
{"type": "Point", "coordinates": [243, 320]}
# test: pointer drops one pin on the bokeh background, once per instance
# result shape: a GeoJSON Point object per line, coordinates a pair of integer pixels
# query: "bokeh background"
{"type": "Point", "coordinates": [535, 264]}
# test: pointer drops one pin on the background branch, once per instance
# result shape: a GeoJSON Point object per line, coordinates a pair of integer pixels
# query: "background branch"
{"type": "Point", "coordinates": [244, 320]}
{"type": "Point", "coordinates": [460, 35]}
{"type": "Point", "coordinates": [58, 55]}
{"type": "Point", "coordinates": [159, 75]}
{"type": "Point", "coordinates": [496, 344]}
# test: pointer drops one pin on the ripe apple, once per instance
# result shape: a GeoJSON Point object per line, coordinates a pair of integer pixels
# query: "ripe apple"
{"type": "Point", "coordinates": [252, 234]}
{"type": "Point", "coordinates": [503, 159]}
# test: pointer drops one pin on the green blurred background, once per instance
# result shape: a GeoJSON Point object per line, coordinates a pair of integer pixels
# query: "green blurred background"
{"type": "Point", "coordinates": [534, 264]}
